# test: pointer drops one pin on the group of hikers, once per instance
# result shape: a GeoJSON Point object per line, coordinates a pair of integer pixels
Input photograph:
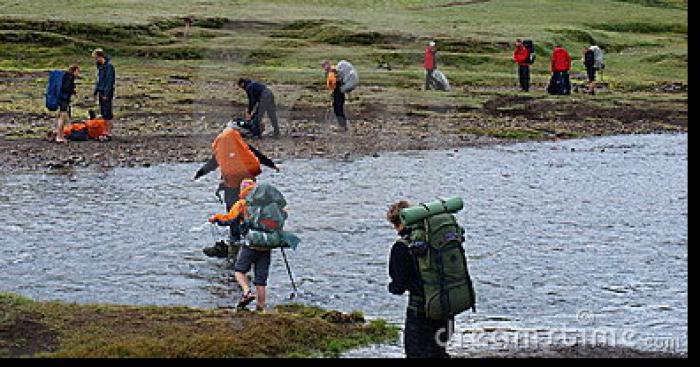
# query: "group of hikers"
{"type": "Point", "coordinates": [427, 261]}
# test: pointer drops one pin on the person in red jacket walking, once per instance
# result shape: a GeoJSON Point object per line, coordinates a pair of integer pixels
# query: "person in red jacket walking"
{"type": "Point", "coordinates": [560, 66]}
{"type": "Point", "coordinates": [522, 56]}
{"type": "Point", "coordinates": [430, 64]}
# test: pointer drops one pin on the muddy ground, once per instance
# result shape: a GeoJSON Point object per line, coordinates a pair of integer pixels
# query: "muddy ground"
{"type": "Point", "coordinates": [148, 138]}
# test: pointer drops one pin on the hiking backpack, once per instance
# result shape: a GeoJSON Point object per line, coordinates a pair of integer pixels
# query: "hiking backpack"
{"type": "Point", "coordinates": [348, 76]}
{"type": "Point", "coordinates": [53, 89]}
{"type": "Point", "coordinates": [599, 62]}
{"type": "Point", "coordinates": [436, 244]}
{"type": "Point", "coordinates": [266, 218]}
{"type": "Point", "coordinates": [531, 51]}
{"type": "Point", "coordinates": [442, 82]}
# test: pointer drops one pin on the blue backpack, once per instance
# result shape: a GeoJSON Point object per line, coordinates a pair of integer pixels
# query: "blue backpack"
{"type": "Point", "coordinates": [53, 89]}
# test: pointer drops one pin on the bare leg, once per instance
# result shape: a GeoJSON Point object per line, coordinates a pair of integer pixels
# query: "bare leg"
{"type": "Point", "coordinates": [62, 117]}
{"type": "Point", "coordinates": [242, 281]}
{"type": "Point", "coordinates": [260, 290]}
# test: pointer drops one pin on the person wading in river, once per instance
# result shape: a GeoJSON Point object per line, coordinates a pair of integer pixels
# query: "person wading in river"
{"type": "Point", "coordinates": [421, 335]}
{"type": "Point", "coordinates": [237, 160]}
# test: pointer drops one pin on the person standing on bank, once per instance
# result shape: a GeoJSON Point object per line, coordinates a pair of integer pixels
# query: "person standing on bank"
{"type": "Point", "coordinates": [261, 101]}
{"type": "Point", "coordinates": [104, 87]}
{"type": "Point", "coordinates": [423, 337]}
{"type": "Point", "coordinates": [333, 83]}
{"type": "Point", "coordinates": [67, 91]}
{"type": "Point", "coordinates": [521, 56]}
{"type": "Point", "coordinates": [430, 64]}
{"type": "Point", "coordinates": [589, 63]}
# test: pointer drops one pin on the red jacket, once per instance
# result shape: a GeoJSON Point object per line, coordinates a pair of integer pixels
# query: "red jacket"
{"type": "Point", "coordinates": [561, 60]}
{"type": "Point", "coordinates": [521, 54]}
{"type": "Point", "coordinates": [429, 62]}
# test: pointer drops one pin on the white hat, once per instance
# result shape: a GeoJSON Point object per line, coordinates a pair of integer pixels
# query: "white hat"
{"type": "Point", "coordinates": [431, 44]}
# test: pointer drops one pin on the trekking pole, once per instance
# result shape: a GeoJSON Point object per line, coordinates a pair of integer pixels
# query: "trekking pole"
{"type": "Point", "coordinates": [289, 271]}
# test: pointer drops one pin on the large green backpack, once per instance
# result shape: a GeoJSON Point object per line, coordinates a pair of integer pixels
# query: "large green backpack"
{"type": "Point", "coordinates": [266, 218]}
{"type": "Point", "coordinates": [436, 243]}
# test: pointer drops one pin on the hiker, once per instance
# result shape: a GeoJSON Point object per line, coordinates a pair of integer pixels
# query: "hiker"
{"type": "Point", "coordinates": [247, 256]}
{"type": "Point", "coordinates": [430, 64]}
{"type": "Point", "coordinates": [334, 83]}
{"type": "Point", "coordinates": [419, 332]}
{"type": "Point", "coordinates": [521, 56]}
{"type": "Point", "coordinates": [261, 213]}
{"type": "Point", "coordinates": [237, 160]}
{"type": "Point", "coordinates": [560, 66]}
{"type": "Point", "coordinates": [261, 101]}
{"type": "Point", "coordinates": [64, 98]}
{"type": "Point", "coordinates": [589, 63]}
{"type": "Point", "coordinates": [104, 87]}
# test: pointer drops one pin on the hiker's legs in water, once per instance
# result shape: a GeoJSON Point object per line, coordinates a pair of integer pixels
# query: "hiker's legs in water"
{"type": "Point", "coordinates": [339, 107]}
{"type": "Point", "coordinates": [267, 106]}
{"type": "Point", "coordinates": [230, 198]}
{"type": "Point", "coordinates": [524, 77]}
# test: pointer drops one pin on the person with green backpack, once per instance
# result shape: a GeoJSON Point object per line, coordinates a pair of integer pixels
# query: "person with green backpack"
{"type": "Point", "coordinates": [429, 262]}
{"type": "Point", "coordinates": [260, 211]}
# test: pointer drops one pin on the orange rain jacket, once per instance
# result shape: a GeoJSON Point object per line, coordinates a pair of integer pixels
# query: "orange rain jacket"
{"type": "Point", "coordinates": [238, 210]}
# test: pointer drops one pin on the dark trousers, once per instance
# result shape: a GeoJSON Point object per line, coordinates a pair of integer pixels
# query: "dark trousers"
{"type": "Point", "coordinates": [106, 108]}
{"type": "Point", "coordinates": [339, 106]}
{"type": "Point", "coordinates": [230, 198]}
{"type": "Point", "coordinates": [267, 106]}
{"type": "Point", "coordinates": [420, 336]}
{"type": "Point", "coordinates": [560, 83]}
{"type": "Point", "coordinates": [430, 81]}
{"type": "Point", "coordinates": [524, 77]}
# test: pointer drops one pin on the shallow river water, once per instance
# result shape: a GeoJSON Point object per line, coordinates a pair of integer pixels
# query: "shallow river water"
{"type": "Point", "coordinates": [574, 237]}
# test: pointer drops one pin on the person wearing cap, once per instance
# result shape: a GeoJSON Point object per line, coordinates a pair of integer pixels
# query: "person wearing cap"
{"type": "Point", "coordinates": [104, 87]}
{"type": "Point", "coordinates": [430, 64]}
{"type": "Point", "coordinates": [237, 161]}
{"type": "Point", "coordinates": [261, 101]}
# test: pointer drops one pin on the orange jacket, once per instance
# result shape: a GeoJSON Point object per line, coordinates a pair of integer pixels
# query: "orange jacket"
{"type": "Point", "coordinates": [96, 128]}
{"type": "Point", "coordinates": [76, 126]}
{"type": "Point", "coordinates": [236, 161]}
{"type": "Point", "coordinates": [331, 79]}
{"type": "Point", "coordinates": [239, 209]}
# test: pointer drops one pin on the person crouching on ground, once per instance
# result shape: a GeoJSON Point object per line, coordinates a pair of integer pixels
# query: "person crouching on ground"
{"type": "Point", "coordinates": [420, 333]}
{"type": "Point", "coordinates": [104, 88]}
{"type": "Point", "coordinates": [67, 91]}
{"type": "Point", "coordinates": [247, 256]}
{"type": "Point", "coordinates": [261, 101]}
{"type": "Point", "coordinates": [333, 84]}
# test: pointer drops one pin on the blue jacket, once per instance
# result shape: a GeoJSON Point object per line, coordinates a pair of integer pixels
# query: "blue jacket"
{"type": "Point", "coordinates": [104, 86]}
{"type": "Point", "coordinates": [254, 91]}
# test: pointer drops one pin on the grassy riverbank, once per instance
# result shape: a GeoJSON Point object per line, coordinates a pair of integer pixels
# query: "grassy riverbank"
{"type": "Point", "coordinates": [57, 329]}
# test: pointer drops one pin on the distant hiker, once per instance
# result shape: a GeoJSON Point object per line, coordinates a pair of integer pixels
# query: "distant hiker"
{"type": "Point", "coordinates": [64, 99]}
{"type": "Point", "coordinates": [560, 66]}
{"type": "Point", "coordinates": [430, 64]}
{"type": "Point", "coordinates": [260, 211]}
{"type": "Point", "coordinates": [340, 79]}
{"type": "Point", "coordinates": [521, 56]}
{"type": "Point", "coordinates": [237, 160]}
{"type": "Point", "coordinates": [589, 63]}
{"type": "Point", "coordinates": [428, 261]}
{"type": "Point", "coordinates": [261, 101]}
{"type": "Point", "coordinates": [104, 87]}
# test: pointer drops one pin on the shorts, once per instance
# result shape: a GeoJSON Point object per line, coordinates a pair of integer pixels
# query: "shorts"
{"type": "Point", "coordinates": [261, 259]}
{"type": "Point", "coordinates": [591, 74]}
{"type": "Point", "coordinates": [106, 108]}
{"type": "Point", "coordinates": [64, 106]}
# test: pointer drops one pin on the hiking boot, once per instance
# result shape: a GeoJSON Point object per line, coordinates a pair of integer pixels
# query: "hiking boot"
{"type": "Point", "coordinates": [220, 249]}
{"type": "Point", "coordinates": [246, 299]}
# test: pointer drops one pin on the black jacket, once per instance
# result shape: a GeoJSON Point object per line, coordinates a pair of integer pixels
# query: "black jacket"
{"type": "Point", "coordinates": [67, 87]}
{"type": "Point", "coordinates": [403, 269]}
{"type": "Point", "coordinates": [254, 90]}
